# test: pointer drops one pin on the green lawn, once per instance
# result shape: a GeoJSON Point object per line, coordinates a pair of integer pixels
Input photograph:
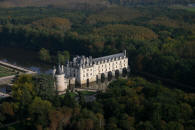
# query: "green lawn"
{"type": "Point", "coordinates": [192, 9]}
{"type": "Point", "coordinates": [72, 94]}
{"type": "Point", "coordinates": [6, 72]}
{"type": "Point", "coordinates": [87, 93]}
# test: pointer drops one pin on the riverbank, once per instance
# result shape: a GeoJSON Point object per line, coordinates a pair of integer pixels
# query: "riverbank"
{"type": "Point", "coordinates": [9, 71]}
{"type": "Point", "coordinates": [17, 68]}
{"type": "Point", "coordinates": [25, 58]}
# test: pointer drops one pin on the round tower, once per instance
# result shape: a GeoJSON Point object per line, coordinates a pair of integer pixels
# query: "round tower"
{"type": "Point", "coordinates": [54, 71]}
{"type": "Point", "coordinates": [61, 84]}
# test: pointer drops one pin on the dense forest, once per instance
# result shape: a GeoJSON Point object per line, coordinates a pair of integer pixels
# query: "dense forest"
{"type": "Point", "coordinates": [159, 40]}
{"type": "Point", "coordinates": [91, 3]}
{"type": "Point", "coordinates": [159, 36]}
{"type": "Point", "coordinates": [127, 104]}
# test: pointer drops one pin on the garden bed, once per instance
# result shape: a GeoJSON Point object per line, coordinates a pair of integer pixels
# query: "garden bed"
{"type": "Point", "coordinates": [6, 72]}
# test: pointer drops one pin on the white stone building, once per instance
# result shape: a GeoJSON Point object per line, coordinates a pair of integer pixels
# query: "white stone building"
{"type": "Point", "coordinates": [84, 70]}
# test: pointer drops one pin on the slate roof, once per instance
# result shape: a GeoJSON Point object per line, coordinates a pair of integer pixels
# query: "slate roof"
{"type": "Point", "coordinates": [109, 57]}
{"type": "Point", "coordinates": [59, 70]}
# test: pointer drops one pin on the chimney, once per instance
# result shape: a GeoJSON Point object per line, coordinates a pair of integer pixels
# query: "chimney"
{"type": "Point", "coordinates": [62, 68]}
{"type": "Point", "coordinates": [125, 53]}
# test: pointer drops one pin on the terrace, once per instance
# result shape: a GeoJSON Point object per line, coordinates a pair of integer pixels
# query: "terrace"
{"type": "Point", "coordinates": [6, 71]}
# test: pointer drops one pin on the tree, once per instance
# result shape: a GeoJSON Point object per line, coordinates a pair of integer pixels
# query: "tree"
{"type": "Point", "coordinates": [39, 110]}
{"type": "Point", "coordinates": [100, 120]}
{"type": "Point", "coordinates": [186, 111]}
{"type": "Point", "coordinates": [2, 119]}
{"type": "Point", "coordinates": [145, 126]}
{"type": "Point", "coordinates": [44, 55]}
{"type": "Point", "coordinates": [55, 116]}
{"type": "Point", "coordinates": [112, 123]}
{"type": "Point", "coordinates": [66, 55]}
{"type": "Point", "coordinates": [22, 90]}
{"type": "Point", "coordinates": [69, 100]}
{"type": "Point", "coordinates": [55, 23]}
{"type": "Point", "coordinates": [44, 86]}
{"type": "Point", "coordinates": [172, 125]}
{"type": "Point", "coordinates": [63, 57]}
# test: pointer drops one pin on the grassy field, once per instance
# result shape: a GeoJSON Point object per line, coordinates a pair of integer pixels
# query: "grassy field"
{"type": "Point", "coordinates": [72, 94]}
{"type": "Point", "coordinates": [6, 72]}
{"type": "Point", "coordinates": [87, 93]}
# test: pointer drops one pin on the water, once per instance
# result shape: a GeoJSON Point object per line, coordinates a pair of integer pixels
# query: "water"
{"type": "Point", "coordinates": [24, 58]}
{"type": "Point", "coordinates": [5, 88]}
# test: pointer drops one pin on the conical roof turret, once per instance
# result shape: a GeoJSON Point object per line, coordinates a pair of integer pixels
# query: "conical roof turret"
{"type": "Point", "coordinates": [59, 70]}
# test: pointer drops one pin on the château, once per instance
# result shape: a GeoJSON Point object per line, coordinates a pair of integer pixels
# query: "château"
{"type": "Point", "coordinates": [84, 70]}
